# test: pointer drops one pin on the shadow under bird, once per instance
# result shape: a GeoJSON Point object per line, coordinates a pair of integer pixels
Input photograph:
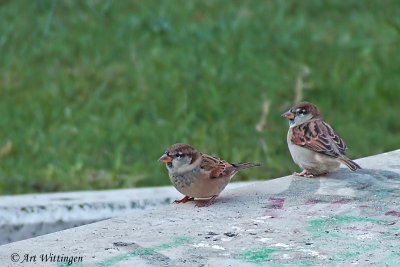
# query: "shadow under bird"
{"type": "Point", "coordinates": [313, 143]}
{"type": "Point", "coordinates": [197, 175]}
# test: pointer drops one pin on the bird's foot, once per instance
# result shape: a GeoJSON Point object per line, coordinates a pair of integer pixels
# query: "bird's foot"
{"type": "Point", "coordinates": [304, 173]}
{"type": "Point", "coordinates": [184, 200]}
{"type": "Point", "coordinates": [205, 203]}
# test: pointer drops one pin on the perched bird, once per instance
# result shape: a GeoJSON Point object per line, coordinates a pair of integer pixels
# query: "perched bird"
{"type": "Point", "coordinates": [197, 175]}
{"type": "Point", "coordinates": [313, 144]}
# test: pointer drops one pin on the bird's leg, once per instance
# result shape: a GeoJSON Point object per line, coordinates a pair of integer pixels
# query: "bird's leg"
{"type": "Point", "coordinates": [184, 200]}
{"type": "Point", "coordinates": [205, 203]}
{"type": "Point", "coordinates": [304, 173]}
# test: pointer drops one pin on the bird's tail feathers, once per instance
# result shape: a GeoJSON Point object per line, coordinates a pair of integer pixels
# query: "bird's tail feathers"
{"type": "Point", "coordinates": [350, 164]}
{"type": "Point", "coordinates": [245, 165]}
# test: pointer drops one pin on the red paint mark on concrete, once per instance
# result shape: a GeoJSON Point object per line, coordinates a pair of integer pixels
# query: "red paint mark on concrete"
{"type": "Point", "coordinates": [393, 213]}
{"type": "Point", "coordinates": [342, 201]}
{"type": "Point", "coordinates": [363, 187]}
{"type": "Point", "coordinates": [276, 203]}
{"type": "Point", "coordinates": [312, 201]}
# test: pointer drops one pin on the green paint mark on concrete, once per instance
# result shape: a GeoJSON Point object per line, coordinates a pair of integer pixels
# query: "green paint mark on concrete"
{"type": "Point", "coordinates": [346, 255]}
{"type": "Point", "coordinates": [70, 265]}
{"type": "Point", "coordinates": [263, 255]}
{"type": "Point", "coordinates": [257, 255]}
{"type": "Point", "coordinates": [145, 251]}
{"type": "Point", "coordinates": [345, 228]}
{"type": "Point", "coordinates": [322, 227]}
{"type": "Point", "coordinates": [343, 220]}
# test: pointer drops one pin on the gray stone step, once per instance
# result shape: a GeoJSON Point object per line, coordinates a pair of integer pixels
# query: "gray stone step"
{"type": "Point", "coordinates": [30, 215]}
{"type": "Point", "coordinates": [346, 218]}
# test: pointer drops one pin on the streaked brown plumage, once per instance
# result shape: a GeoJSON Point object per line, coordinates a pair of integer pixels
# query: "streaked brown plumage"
{"type": "Point", "coordinates": [313, 143]}
{"type": "Point", "coordinates": [198, 175]}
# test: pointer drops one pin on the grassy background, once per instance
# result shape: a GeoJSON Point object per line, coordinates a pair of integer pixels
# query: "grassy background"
{"type": "Point", "coordinates": [93, 92]}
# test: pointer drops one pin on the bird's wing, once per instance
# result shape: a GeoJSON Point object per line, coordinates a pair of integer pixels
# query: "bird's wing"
{"type": "Point", "coordinates": [318, 136]}
{"type": "Point", "coordinates": [216, 168]}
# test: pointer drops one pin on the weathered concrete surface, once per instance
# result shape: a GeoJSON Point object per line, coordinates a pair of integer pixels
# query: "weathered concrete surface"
{"type": "Point", "coordinates": [343, 219]}
{"type": "Point", "coordinates": [30, 215]}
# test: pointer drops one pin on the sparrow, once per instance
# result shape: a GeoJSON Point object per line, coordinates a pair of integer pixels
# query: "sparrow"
{"type": "Point", "coordinates": [198, 175]}
{"type": "Point", "coordinates": [313, 143]}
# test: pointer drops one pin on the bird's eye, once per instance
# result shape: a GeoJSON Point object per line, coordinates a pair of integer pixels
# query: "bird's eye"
{"type": "Point", "coordinates": [301, 112]}
{"type": "Point", "coordinates": [179, 155]}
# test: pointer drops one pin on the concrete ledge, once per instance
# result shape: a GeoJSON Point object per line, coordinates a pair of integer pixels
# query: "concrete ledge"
{"type": "Point", "coordinates": [343, 219]}
{"type": "Point", "coordinates": [25, 216]}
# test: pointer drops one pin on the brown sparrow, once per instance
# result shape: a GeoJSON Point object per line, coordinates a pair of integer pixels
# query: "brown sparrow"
{"type": "Point", "coordinates": [313, 144]}
{"type": "Point", "coordinates": [197, 175]}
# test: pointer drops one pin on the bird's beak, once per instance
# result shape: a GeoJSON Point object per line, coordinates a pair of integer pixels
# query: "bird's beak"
{"type": "Point", "coordinates": [288, 115]}
{"type": "Point", "coordinates": [165, 158]}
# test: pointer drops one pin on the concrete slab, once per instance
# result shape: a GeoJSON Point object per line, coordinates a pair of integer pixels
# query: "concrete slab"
{"type": "Point", "coordinates": [30, 215]}
{"type": "Point", "coordinates": [343, 219]}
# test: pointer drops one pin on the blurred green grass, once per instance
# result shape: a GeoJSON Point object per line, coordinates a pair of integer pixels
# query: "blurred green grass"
{"type": "Point", "coordinates": [93, 92]}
